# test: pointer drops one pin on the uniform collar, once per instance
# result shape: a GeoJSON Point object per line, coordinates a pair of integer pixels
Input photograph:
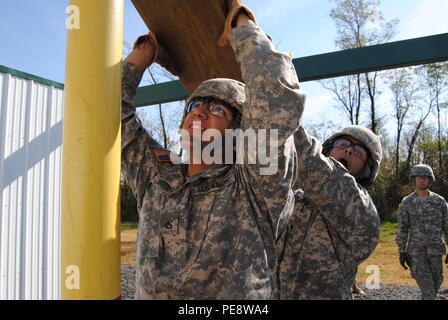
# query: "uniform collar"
{"type": "Point", "coordinates": [210, 173]}
{"type": "Point", "coordinates": [416, 197]}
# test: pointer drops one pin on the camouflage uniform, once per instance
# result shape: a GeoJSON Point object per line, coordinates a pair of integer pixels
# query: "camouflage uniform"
{"type": "Point", "coordinates": [334, 227]}
{"type": "Point", "coordinates": [421, 222]}
{"type": "Point", "coordinates": [212, 235]}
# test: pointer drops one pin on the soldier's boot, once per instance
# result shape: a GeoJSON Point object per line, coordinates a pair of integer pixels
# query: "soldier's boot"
{"type": "Point", "coordinates": [357, 290]}
{"type": "Point", "coordinates": [428, 295]}
{"type": "Point", "coordinates": [426, 285]}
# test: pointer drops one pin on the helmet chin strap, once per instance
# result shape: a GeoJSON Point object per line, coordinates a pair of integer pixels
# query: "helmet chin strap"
{"type": "Point", "coordinates": [364, 173]}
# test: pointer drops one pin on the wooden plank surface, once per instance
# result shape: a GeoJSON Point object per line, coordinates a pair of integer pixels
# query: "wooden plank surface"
{"type": "Point", "coordinates": [190, 30]}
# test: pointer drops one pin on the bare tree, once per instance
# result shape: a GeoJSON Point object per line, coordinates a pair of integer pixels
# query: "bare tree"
{"type": "Point", "coordinates": [162, 120]}
{"type": "Point", "coordinates": [402, 86]}
{"type": "Point", "coordinates": [415, 131]}
{"type": "Point", "coordinates": [348, 93]}
{"type": "Point", "coordinates": [321, 129]}
{"type": "Point", "coordinates": [435, 83]}
{"type": "Point", "coordinates": [360, 23]}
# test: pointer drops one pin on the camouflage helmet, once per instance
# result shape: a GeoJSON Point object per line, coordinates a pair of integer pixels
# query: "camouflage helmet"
{"type": "Point", "coordinates": [227, 90]}
{"type": "Point", "coordinates": [422, 170]}
{"type": "Point", "coordinates": [370, 140]}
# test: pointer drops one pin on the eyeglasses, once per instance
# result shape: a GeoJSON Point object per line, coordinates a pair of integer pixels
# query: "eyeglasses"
{"type": "Point", "coordinates": [215, 106]}
{"type": "Point", "coordinates": [358, 149]}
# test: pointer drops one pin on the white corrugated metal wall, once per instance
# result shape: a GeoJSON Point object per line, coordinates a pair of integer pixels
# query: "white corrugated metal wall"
{"type": "Point", "coordinates": [30, 177]}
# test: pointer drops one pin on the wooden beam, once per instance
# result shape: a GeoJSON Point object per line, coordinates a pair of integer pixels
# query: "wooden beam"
{"type": "Point", "coordinates": [190, 30]}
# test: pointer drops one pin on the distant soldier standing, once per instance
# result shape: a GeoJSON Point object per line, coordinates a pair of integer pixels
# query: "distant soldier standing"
{"type": "Point", "coordinates": [423, 217]}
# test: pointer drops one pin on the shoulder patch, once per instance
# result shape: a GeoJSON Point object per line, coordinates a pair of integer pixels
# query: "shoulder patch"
{"type": "Point", "coordinates": [162, 155]}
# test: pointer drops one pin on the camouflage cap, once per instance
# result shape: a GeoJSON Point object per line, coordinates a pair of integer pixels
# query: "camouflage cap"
{"type": "Point", "coordinates": [422, 170]}
{"type": "Point", "coordinates": [227, 90]}
{"type": "Point", "coordinates": [369, 139]}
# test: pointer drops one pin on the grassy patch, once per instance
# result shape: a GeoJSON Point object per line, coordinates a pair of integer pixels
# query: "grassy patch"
{"type": "Point", "coordinates": [129, 225]}
{"type": "Point", "coordinates": [386, 257]}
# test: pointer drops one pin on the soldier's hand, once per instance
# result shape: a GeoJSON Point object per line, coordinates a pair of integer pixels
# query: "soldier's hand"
{"type": "Point", "coordinates": [148, 50]}
{"type": "Point", "coordinates": [143, 53]}
{"type": "Point", "coordinates": [237, 15]}
{"type": "Point", "coordinates": [404, 260]}
{"type": "Point", "coordinates": [163, 57]}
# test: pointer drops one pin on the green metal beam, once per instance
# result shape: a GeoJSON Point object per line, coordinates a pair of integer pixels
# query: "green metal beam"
{"type": "Point", "coordinates": [373, 58]}
{"type": "Point", "coordinates": [367, 59]}
{"type": "Point", "coordinates": [160, 93]}
{"type": "Point", "coordinates": [29, 76]}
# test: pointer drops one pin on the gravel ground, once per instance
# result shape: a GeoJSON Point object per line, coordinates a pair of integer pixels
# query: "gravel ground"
{"type": "Point", "coordinates": [389, 292]}
{"type": "Point", "coordinates": [127, 282]}
{"type": "Point", "coordinates": [386, 292]}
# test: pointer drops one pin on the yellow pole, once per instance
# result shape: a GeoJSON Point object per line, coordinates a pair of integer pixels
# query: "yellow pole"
{"type": "Point", "coordinates": [90, 222]}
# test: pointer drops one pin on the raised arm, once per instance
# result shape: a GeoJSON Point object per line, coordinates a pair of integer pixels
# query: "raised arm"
{"type": "Point", "coordinates": [138, 163]}
{"type": "Point", "coordinates": [273, 98]}
{"type": "Point", "coordinates": [272, 111]}
{"type": "Point", "coordinates": [346, 207]}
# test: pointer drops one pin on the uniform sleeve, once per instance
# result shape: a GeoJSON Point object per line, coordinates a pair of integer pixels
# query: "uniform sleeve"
{"type": "Point", "coordinates": [346, 206]}
{"type": "Point", "coordinates": [138, 161]}
{"type": "Point", "coordinates": [445, 221]}
{"type": "Point", "coordinates": [272, 110]}
{"type": "Point", "coordinates": [273, 98]}
{"type": "Point", "coordinates": [403, 228]}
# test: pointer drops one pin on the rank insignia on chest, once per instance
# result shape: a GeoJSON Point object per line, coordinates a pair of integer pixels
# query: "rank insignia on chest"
{"type": "Point", "coordinates": [205, 187]}
{"type": "Point", "coordinates": [162, 155]}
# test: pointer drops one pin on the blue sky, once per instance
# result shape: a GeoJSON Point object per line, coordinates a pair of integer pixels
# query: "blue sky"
{"type": "Point", "coordinates": [33, 34]}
